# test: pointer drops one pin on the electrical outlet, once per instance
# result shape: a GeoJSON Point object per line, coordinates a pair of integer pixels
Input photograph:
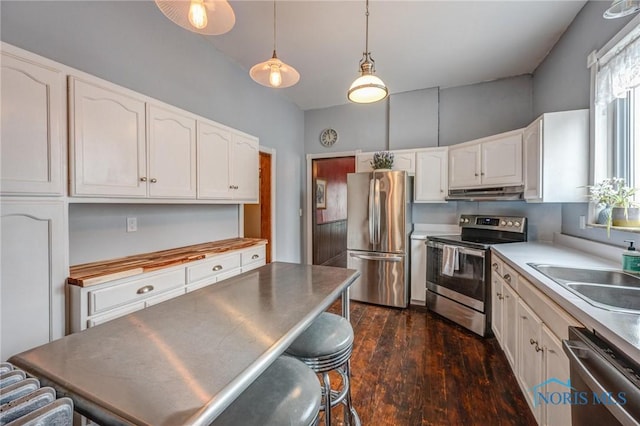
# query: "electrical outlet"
{"type": "Point", "coordinates": [583, 222]}
{"type": "Point", "coordinates": [132, 224]}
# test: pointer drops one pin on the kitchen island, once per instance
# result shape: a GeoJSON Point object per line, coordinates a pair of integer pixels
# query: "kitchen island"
{"type": "Point", "coordinates": [185, 360]}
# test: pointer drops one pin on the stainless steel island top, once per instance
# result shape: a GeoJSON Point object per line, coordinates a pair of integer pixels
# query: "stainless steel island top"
{"type": "Point", "coordinates": [185, 360]}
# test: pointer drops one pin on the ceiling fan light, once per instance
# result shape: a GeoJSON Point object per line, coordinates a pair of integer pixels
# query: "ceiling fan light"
{"type": "Point", "coordinates": [620, 8]}
{"type": "Point", "coordinates": [366, 89]}
{"type": "Point", "coordinates": [207, 17]}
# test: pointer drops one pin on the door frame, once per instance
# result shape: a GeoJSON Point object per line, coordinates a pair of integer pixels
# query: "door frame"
{"type": "Point", "coordinates": [272, 152]}
{"type": "Point", "coordinates": [308, 231]}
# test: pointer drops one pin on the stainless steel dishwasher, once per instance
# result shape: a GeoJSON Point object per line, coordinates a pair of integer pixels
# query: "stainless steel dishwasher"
{"type": "Point", "coordinates": [605, 382]}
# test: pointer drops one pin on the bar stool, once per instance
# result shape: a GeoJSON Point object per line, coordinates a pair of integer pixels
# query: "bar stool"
{"type": "Point", "coordinates": [326, 346]}
{"type": "Point", "coordinates": [285, 394]}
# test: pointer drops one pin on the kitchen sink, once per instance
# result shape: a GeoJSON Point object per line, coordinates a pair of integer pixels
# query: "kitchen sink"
{"type": "Point", "coordinates": [604, 288]}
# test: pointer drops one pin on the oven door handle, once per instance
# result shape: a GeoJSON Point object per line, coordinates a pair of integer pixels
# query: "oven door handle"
{"type": "Point", "coordinates": [577, 351]}
{"type": "Point", "coordinates": [461, 249]}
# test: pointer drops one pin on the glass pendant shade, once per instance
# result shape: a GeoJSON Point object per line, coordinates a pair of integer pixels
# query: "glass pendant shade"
{"type": "Point", "coordinates": [367, 88]}
{"type": "Point", "coordinates": [208, 17]}
{"type": "Point", "coordinates": [620, 8]}
{"type": "Point", "coordinates": [274, 73]}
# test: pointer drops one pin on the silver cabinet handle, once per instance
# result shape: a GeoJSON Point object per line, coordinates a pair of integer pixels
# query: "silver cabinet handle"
{"type": "Point", "coordinates": [538, 348]}
{"type": "Point", "coordinates": [143, 179]}
{"type": "Point", "coordinates": [145, 289]}
{"type": "Point", "coordinates": [255, 256]}
{"type": "Point", "coordinates": [373, 257]}
{"type": "Point", "coordinates": [217, 268]}
{"type": "Point", "coordinates": [494, 265]}
{"type": "Point", "coordinates": [230, 186]}
{"type": "Point", "coordinates": [507, 278]}
{"type": "Point", "coordinates": [154, 180]}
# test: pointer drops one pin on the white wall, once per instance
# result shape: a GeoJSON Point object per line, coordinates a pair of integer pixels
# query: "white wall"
{"type": "Point", "coordinates": [131, 43]}
{"type": "Point", "coordinates": [562, 82]}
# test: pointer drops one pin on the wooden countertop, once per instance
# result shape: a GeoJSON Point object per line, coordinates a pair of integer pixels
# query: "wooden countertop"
{"type": "Point", "coordinates": [103, 271]}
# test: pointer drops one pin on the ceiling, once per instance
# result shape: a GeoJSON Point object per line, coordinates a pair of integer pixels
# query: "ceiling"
{"type": "Point", "coordinates": [416, 44]}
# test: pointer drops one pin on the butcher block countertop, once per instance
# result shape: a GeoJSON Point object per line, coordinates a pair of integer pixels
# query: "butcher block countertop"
{"type": "Point", "coordinates": [100, 272]}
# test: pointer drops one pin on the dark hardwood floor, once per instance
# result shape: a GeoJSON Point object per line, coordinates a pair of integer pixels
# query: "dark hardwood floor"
{"type": "Point", "coordinates": [412, 367]}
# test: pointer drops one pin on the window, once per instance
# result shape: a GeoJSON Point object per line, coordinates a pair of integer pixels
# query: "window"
{"type": "Point", "coordinates": [615, 71]}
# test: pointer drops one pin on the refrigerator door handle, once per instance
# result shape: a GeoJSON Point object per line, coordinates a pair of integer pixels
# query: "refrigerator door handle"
{"type": "Point", "coordinates": [371, 211]}
{"type": "Point", "coordinates": [377, 211]}
{"type": "Point", "coordinates": [374, 257]}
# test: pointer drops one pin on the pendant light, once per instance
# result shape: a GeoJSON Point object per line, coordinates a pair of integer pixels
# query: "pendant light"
{"type": "Point", "coordinates": [620, 8]}
{"type": "Point", "coordinates": [273, 72]}
{"type": "Point", "coordinates": [208, 17]}
{"type": "Point", "coordinates": [368, 87]}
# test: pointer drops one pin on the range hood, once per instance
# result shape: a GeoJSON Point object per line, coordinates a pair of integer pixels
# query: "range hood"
{"type": "Point", "coordinates": [502, 193]}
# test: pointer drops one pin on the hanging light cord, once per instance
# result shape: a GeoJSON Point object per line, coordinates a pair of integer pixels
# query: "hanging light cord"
{"type": "Point", "coordinates": [274, 28]}
{"type": "Point", "coordinates": [366, 42]}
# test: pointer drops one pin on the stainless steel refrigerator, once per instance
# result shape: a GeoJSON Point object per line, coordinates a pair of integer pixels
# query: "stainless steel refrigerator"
{"type": "Point", "coordinates": [378, 226]}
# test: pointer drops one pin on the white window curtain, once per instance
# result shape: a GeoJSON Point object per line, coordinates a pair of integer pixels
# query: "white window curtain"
{"type": "Point", "coordinates": [618, 70]}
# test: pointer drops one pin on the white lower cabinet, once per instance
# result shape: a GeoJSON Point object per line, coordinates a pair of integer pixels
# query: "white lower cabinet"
{"type": "Point", "coordinates": [34, 269]}
{"type": "Point", "coordinates": [529, 328]}
{"type": "Point", "coordinates": [95, 304]}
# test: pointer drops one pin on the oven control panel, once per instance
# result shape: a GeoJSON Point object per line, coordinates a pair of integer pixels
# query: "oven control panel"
{"type": "Point", "coordinates": [499, 223]}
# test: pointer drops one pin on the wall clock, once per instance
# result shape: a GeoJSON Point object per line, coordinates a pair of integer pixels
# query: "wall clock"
{"type": "Point", "coordinates": [328, 137]}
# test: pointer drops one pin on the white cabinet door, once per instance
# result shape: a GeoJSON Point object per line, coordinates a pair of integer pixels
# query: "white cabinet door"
{"type": "Point", "coordinates": [529, 371]}
{"type": "Point", "coordinates": [464, 166]}
{"type": "Point", "coordinates": [245, 168]}
{"type": "Point", "coordinates": [556, 365]}
{"type": "Point", "coordinates": [214, 156]}
{"type": "Point", "coordinates": [431, 180]}
{"type": "Point", "coordinates": [497, 307]}
{"type": "Point", "coordinates": [33, 273]}
{"type": "Point", "coordinates": [32, 128]}
{"type": "Point", "coordinates": [107, 142]}
{"type": "Point", "coordinates": [363, 162]}
{"type": "Point", "coordinates": [509, 330]}
{"type": "Point", "coordinates": [502, 161]}
{"type": "Point", "coordinates": [403, 160]}
{"type": "Point", "coordinates": [532, 146]}
{"type": "Point", "coordinates": [172, 154]}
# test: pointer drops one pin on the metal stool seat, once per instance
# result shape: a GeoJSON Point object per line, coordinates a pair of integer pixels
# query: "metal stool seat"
{"type": "Point", "coordinates": [286, 394]}
{"type": "Point", "coordinates": [326, 346]}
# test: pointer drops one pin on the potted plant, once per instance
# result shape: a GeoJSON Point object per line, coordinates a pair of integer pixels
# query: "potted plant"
{"type": "Point", "coordinates": [382, 160]}
{"type": "Point", "coordinates": [618, 202]}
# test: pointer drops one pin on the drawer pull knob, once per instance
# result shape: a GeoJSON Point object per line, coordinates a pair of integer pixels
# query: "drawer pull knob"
{"type": "Point", "coordinates": [143, 179]}
{"type": "Point", "coordinates": [154, 180]}
{"type": "Point", "coordinates": [507, 278]}
{"type": "Point", "coordinates": [145, 289]}
{"type": "Point", "coordinates": [217, 268]}
{"type": "Point", "coordinates": [494, 265]}
{"type": "Point", "coordinates": [255, 256]}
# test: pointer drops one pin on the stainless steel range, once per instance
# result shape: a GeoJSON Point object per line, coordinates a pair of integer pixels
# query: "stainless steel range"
{"type": "Point", "coordinates": [458, 271]}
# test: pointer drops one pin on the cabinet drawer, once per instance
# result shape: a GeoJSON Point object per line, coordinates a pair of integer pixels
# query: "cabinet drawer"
{"type": "Point", "coordinates": [103, 299]}
{"type": "Point", "coordinates": [496, 265]}
{"type": "Point", "coordinates": [255, 254]}
{"type": "Point", "coordinates": [116, 313]}
{"type": "Point", "coordinates": [510, 276]}
{"type": "Point", "coordinates": [254, 265]}
{"type": "Point", "coordinates": [162, 297]}
{"type": "Point", "coordinates": [552, 315]}
{"type": "Point", "coordinates": [212, 267]}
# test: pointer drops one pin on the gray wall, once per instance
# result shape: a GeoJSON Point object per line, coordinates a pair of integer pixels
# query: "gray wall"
{"type": "Point", "coordinates": [132, 44]}
{"type": "Point", "coordinates": [562, 82]}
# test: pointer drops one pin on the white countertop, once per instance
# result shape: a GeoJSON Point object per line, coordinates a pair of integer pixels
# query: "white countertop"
{"type": "Point", "coordinates": [423, 230]}
{"type": "Point", "coordinates": [620, 329]}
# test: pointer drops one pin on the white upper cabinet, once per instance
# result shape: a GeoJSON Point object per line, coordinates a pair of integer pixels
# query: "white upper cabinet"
{"type": "Point", "coordinates": [403, 160]}
{"type": "Point", "coordinates": [172, 153]}
{"type": "Point", "coordinates": [108, 150]}
{"type": "Point", "coordinates": [214, 152]}
{"type": "Point", "coordinates": [32, 128]}
{"type": "Point", "coordinates": [431, 181]}
{"type": "Point", "coordinates": [245, 168]}
{"type": "Point", "coordinates": [487, 162]}
{"type": "Point", "coordinates": [228, 164]}
{"type": "Point", "coordinates": [556, 157]}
